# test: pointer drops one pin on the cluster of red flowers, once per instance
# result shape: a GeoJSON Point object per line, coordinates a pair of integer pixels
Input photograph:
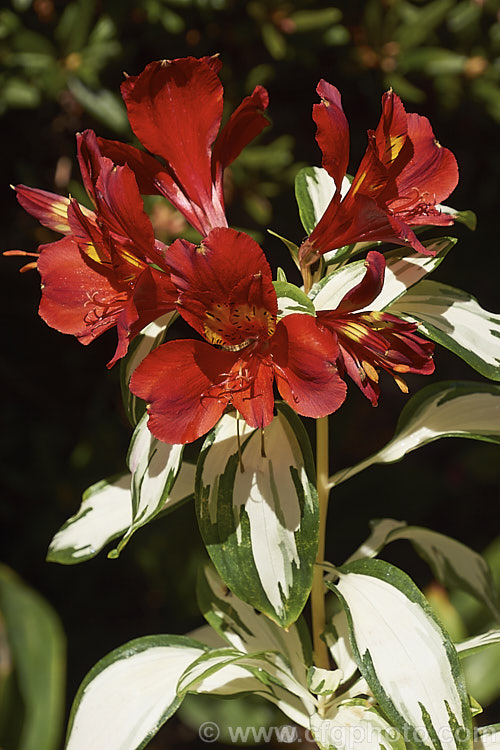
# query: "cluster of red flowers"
{"type": "Point", "coordinates": [109, 270]}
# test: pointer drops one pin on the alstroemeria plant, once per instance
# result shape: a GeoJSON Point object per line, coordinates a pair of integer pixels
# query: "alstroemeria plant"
{"type": "Point", "coordinates": [262, 354]}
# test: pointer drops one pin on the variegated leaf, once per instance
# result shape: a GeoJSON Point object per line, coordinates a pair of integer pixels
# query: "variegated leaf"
{"type": "Point", "coordinates": [247, 630]}
{"type": "Point", "coordinates": [405, 655]}
{"type": "Point", "coordinates": [324, 681]}
{"type": "Point", "coordinates": [291, 299]}
{"type": "Point", "coordinates": [228, 672]}
{"type": "Point", "coordinates": [336, 638]}
{"type": "Point", "coordinates": [106, 513]}
{"type": "Point", "coordinates": [314, 189]}
{"type": "Point", "coordinates": [259, 517]}
{"type": "Point", "coordinates": [466, 217]}
{"type": "Point", "coordinates": [154, 467]}
{"type": "Point", "coordinates": [148, 339]}
{"type": "Point", "coordinates": [477, 643]}
{"type": "Point", "coordinates": [404, 268]}
{"type": "Point", "coordinates": [487, 738]}
{"type": "Point", "coordinates": [447, 409]}
{"type": "Point", "coordinates": [354, 725]}
{"type": "Point", "coordinates": [454, 564]}
{"type": "Point", "coordinates": [129, 694]}
{"type": "Point", "coordinates": [455, 319]}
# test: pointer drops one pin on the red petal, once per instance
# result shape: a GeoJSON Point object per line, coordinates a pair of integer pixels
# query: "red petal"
{"type": "Point", "coordinates": [211, 274]}
{"type": "Point", "coordinates": [75, 298]}
{"type": "Point", "coordinates": [153, 296]}
{"type": "Point", "coordinates": [368, 288]}
{"type": "Point", "coordinates": [304, 358]}
{"type": "Point", "coordinates": [433, 169]}
{"type": "Point", "coordinates": [120, 205]}
{"type": "Point", "coordinates": [49, 208]}
{"type": "Point", "coordinates": [246, 122]}
{"type": "Point", "coordinates": [174, 380]}
{"type": "Point", "coordinates": [256, 404]}
{"type": "Point", "coordinates": [175, 109]}
{"type": "Point", "coordinates": [90, 160]}
{"type": "Point", "coordinates": [332, 133]}
{"type": "Point", "coordinates": [391, 135]}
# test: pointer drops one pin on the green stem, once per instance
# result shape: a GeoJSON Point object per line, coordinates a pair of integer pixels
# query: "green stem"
{"type": "Point", "coordinates": [321, 658]}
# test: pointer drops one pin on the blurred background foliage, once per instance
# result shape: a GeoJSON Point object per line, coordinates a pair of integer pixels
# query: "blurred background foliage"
{"type": "Point", "coordinates": [61, 64]}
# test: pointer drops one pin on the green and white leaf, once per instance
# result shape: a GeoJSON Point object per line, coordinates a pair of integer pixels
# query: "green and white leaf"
{"type": "Point", "coordinates": [336, 638]}
{"type": "Point", "coordinates": [354, 725]}
{"type": "Point", "coordinates": [130, 694]}
{"type": "Point", "coordinates": [466, 217]}
{"type": "Point", "coordinates": [228, 672]}
{"type": "Point", "coordinates": [260, 525]}
{"type": "Point", "coordinates": [324, 681]}
{"type": "Point", "coordinates": [314, 189]}
{"type": "Point", "coordinates": [105, 514]}
{"type": "Point", "coordinates": [447, 409]}
{"type": "Point", "coordinates": [487, 738]}
{"type": "Point", "coordinates": [249, 631]}
{"type": "Point", "coordinates": [154, 467]}
{"type": "Point", "coordinates": [291, 299]}
{"type": "Point", "coordinates": [405, 655]}
{"type": "Point", "coordinates": [148, 339]}
{"type": "Point", "coordinates": [32, 668]}
{"type": "Point", "coordinates": [454, 564]}
{"type": "Point", "coordinates": [477, 643]}
{"type": "Point", "coordinates": [455, 319]}
{"type": "Point", "coordinates": [404, 268]}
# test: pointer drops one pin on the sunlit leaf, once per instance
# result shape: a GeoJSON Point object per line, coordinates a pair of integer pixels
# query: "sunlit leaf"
{"type": "Point", "coordinates": [447, 409]}
{"type": "Point", "coordinates": [259, 518]}
{"type": "Point", "coordinates": [405, 655]}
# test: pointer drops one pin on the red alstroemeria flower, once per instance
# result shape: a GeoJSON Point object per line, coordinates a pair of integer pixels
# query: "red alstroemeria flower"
{"type": "Point", "coordinates": [175, 110]}
{"type": "Point", "coordinates": [402, 177]}
{"type": "Point", "coordinates": [100, 275]}
{"type": "Point", "coordinates": [372, 340]}
{"type": "Point", "coordinates": [232, 304]}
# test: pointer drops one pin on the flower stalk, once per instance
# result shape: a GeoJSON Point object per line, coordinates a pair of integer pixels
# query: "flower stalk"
{"type": "Point", "coordinates": [321, 658]}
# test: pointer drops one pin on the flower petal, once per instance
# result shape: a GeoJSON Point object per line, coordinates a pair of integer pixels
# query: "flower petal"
{"type": "Point", "coordinates": [332, 133]}
{"type": "Point", "coordinates": [433, 169]}
{"type": "Point", "coordinates": [175, 109]}
{"type": "Point", "coordinates": [177, 380]}
{"type": "Point", "coordinates": [214, 273]}
{"type": "Point", "coordinates": [368, 288]}
{"type": "Point", "coordinates": [49, 208]}
{"type": "Point", "coordinates": [76, 299]}
{"type": "Point", "coordinates": [304, 362]}
{"type": "Point", "coordinates": [246, 122]}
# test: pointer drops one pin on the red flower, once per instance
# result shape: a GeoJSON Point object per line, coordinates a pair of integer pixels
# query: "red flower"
{"type": "Point", "coordinates": [100, 274]}
{"type": "Point", "coordinates": [188, 384]}
{"type": "Point", "coordinates": [372, 340]}
{"type": "Point", "coordinates": [175, 110]}
{"type": "Point", "coordinates": [402, 177]}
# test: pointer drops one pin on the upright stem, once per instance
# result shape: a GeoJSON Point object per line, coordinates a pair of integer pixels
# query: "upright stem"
{"type": "Point", "coordinates": [318, 588]}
